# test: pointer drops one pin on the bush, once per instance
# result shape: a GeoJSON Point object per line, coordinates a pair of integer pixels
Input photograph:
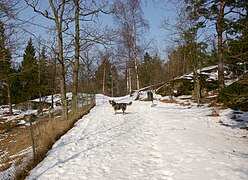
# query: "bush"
{"type": "Point", "coordinates": [183, 87]}
{"type": "Point", "coordinates": [235, 96]}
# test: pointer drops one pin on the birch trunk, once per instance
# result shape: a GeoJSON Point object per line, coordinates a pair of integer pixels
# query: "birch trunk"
{"type": "Point", "coordinates": [135, 52]}
{"type": "Point", "coordinates": [76, 63]}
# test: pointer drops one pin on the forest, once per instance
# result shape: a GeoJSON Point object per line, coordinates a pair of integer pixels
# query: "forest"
{"type": "Point", "coordinates": [77, 53]}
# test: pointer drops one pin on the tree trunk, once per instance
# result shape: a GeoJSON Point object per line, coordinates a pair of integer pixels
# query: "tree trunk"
{"type": "Point", "coordinates": [103, 79]}
{"type": "Point", "coordinates": [135, 52]}
{"type": "Point", "coordinates": [59, 23]}
{"type": "Point", "coordinates": [220, 48]}
{"type": "Point", "coordinates": [9, 98]}
{"type": "Point", "coordinates": [112, 87]}
{"type": "Point", "coordinates": [76, 63]}
{"type": "Point", "coordinates": [129, 78]}
{"type": "Point", "coordinates": [136, 69]}
{"type": "Point", "coordinates": [197, 87]}
{"type": "Point", "coordinates": [40, 108]}
{"type": "Point", "coordinates": [62, 77]}
{"type": "Point", "coordinates": [54, 79]}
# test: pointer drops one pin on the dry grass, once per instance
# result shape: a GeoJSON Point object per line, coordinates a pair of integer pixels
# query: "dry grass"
{"type": "Point", "coordinates": [214, 104]}
{"type": "Point", "coordinates": [181, 103]}
{"type": "Point", "coordinates": [46, 132]}
{"type": "Point", "coordinates": [169, 101]}
{"type": "Point", "coordinates": [214, 113]}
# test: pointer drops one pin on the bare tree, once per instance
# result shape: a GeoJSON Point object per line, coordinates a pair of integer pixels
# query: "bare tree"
{"type": "Point", "coordinates": [129, 16]}
{"type": "Point", "coordinates": [8, 9]}
{"type": "Point", "coordinates": [188, 50]}
{"type": "Point", "coordinates": [77, 53]}
{"type": "Point", "coordinates": [85, 12]}
{"type": "Point", "coordinates": [56, 13]}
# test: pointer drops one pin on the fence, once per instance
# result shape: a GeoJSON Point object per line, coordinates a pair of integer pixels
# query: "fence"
{"type": "Point", "coordinates": [24, 143]}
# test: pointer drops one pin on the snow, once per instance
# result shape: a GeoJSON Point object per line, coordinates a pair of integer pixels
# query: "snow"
{"type": "Point", "coordinates": [213, 75]}
{"type": "Point", "coordinates": [56, 98]}
{"type": "Point", "coordinates": [166, 141]}
{"type": "Point", "coordinates": [20, 114]}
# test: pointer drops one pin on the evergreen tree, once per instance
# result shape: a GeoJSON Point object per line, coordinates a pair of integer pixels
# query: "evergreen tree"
{"type": "Point", "coordinates": [5, 69]}
{"type": "Point", "coordinates": [146, 71]}
{"type": "Point", "coordinates": [102, 75]}
{"type": "Point", "coordinates": [237, 55]}
{"type": "Point", "coordinates": [44, 75]}
{"type": "Point", "coordinates": [158, 70]}
{"type": "Point", "coordinates": [213, 57]}
{"type": "Point", "coordinates": [152, 71]}
{"type": "Point", "coordinates": [224, 15]}
{"type": "Point", "coordinates": [107, 79]}
{"type": "Point", "coordinates": [114, 82]}
{"type": "Point", "coordinates": [16, 87]}
{"type": "Point", "coordinates": [5, 57]}
{"type": "Point", "coordinates": [29, 73]}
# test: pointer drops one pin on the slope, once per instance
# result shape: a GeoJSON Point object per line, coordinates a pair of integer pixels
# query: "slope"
{"type": "Point", "coordinates": [166, 141]}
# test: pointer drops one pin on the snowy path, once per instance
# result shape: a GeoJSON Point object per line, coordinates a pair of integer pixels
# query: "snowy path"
{"type": "Point", "coordinates": [162, 142]}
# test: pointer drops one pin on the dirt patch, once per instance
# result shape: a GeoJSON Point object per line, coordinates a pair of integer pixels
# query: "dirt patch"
{"type": "Point", "coordinates": [169, 101]}
{"type": "Point", "coordinates": [246, 128]}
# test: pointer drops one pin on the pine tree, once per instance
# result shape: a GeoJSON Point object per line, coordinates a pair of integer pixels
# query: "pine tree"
{"type": "Point", "coordinates": [5, 57]}
{"type": "Point", "coordinates": [45, 74]}
{"type": "Point", "coordinates": [146, 70]}
{"type": "Point", "coordinates": [237, 56]}
{"type": "Point", "coordinates": [113, 82]}
{"type": "Point", "coordinates": [29, 73]}
{"type": "Point", "coordinates": [152, 71]}
{"type": "Point", "coordinates": [5, 69]}
{"type": "Point", "coordinates": [222, 14]}
{"type": "Point", "coordinates": [102, 75]}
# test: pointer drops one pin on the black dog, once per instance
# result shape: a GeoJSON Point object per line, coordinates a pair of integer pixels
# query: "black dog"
{"type": "Point", "coordinates": [118, 106]}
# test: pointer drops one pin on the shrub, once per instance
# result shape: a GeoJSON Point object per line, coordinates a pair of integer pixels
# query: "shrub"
{"type": "Point", "coordinates": [235, 96]}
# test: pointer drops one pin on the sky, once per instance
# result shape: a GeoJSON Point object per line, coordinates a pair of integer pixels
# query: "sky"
{"type": "Point", "coordinates": [154, 13]}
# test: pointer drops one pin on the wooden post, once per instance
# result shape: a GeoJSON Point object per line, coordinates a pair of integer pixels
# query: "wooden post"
{"type": "Point", "coordinates": [87, 99]}
{"type": "Point", "coordinates": [52, 128]}
{"type": "Point", "coordinates": [50, 115]}
{"type": "Point", "coordinates": [31, 120]}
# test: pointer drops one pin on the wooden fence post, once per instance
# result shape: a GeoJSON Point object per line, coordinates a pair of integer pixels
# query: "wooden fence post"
{"type": "Point", "coordinates": [31, 120]}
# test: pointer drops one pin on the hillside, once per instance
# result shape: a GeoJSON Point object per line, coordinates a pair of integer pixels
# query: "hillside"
{"type": "Point", "coordinates": [234, 95]}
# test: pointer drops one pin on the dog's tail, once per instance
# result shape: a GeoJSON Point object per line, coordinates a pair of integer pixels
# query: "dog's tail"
{"type": "Point", "coordinates": [129, 103]}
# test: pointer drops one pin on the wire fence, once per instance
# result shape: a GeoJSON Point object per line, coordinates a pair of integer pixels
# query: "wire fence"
{"type": "Point", "coordinates": [24, 143]}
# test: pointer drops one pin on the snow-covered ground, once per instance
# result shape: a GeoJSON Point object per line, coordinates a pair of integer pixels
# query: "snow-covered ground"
{"type": "Point", "coordinates": [166, 141]}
